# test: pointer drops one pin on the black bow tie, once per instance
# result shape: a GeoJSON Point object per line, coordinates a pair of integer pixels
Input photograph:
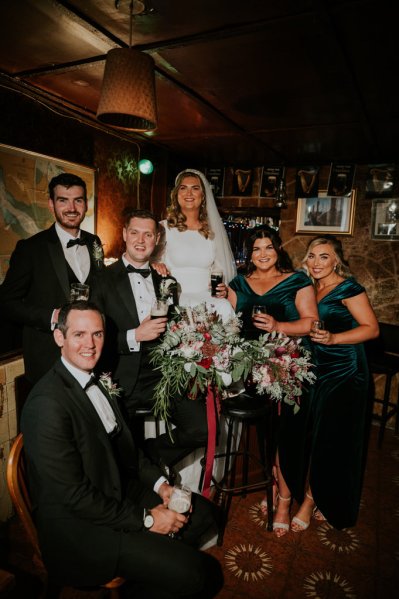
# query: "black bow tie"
{"type": "Point", "coordinates": [77, 241]}
{"type": "Point", "coordinates": [144, 272]}
{"type": "Point", "coordinates": [92, 381]}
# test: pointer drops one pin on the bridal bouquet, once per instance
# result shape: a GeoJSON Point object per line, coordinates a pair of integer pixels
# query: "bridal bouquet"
{"type": "Point", "coordinates": [280, 366]}
{"type": "Point", "coordinates": [197, 351]}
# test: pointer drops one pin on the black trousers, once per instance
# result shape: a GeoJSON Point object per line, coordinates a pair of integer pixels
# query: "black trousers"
{"type": "Point", "coordinates": [158, 567]}
{"type": "Point", "coordinates": [189, 417]}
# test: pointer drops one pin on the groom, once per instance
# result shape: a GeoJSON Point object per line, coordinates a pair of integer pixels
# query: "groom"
{"type": "Point", "coordinates": [125, 297]}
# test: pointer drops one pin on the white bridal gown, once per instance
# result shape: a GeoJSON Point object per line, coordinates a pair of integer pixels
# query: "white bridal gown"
{"type": "Point", "coordinates": [189, 258]}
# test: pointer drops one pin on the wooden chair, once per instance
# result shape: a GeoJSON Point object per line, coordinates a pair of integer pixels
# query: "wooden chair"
{"type": "Point", "coordinates": [17, 486]}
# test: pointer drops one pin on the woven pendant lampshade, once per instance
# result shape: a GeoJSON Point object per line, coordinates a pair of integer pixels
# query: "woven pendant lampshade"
{"type": "Point", "coordinates": [127, 98]}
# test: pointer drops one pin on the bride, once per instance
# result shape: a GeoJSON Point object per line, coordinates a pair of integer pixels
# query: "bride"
{"type": "Point", "coordinates": [195, 242]}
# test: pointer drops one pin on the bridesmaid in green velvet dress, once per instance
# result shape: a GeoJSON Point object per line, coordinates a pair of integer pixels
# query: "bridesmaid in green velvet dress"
{"type": "Point", "coordinates": [289, 298]}
{"type": "Point", "coordinates": [340, 399]}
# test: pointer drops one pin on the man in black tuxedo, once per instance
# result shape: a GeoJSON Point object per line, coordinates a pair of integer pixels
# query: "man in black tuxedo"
{"type": "Point", "coordinates": [42, 269]}
{"type": "Point", "coordinates": [125, 297]}
{"type": "Point", "coordinates": [100, 506]}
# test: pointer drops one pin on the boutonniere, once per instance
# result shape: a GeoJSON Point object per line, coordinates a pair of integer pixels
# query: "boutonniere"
{"type": "Point", "coordinates": [112, 388]}
{"type": "Point", "coordinates": [166, 288]}
{"type": "Point", "coordinates": [98, 253]}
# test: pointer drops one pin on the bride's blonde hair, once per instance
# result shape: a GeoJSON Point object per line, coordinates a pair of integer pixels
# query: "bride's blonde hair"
{"type": "Point", "coordinates": [175, 216]}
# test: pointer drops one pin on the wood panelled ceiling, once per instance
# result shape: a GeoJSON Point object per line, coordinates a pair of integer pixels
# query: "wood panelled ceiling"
{"type": "Point", "coordinates": [238, 82]}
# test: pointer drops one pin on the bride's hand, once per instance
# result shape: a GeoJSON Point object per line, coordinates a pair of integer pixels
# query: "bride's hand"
{"type": "Point", "coordinates": [221, 290]}
{"type": "Point", "coordinates": [160, 268]}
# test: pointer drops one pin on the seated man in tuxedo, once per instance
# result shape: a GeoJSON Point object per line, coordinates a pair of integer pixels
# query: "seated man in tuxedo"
{"type": "Point", "coordinates": [42, 269]}
{"type": "Point", "coordinates": [100, 506]}
{"type": "Point", "coordinates": [125, 297]}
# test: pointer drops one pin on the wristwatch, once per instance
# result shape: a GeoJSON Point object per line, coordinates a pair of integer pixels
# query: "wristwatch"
{"type": "Point", "coordinates": [148, 519]}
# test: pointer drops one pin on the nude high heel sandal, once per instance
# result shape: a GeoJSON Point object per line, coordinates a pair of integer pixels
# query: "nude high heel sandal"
{"type": "Point", "coordinates": [283, 527]}
{"type": "Point", "coordinates": [301, 525]}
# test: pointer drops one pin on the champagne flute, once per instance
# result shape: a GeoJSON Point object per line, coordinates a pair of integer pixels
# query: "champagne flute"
{"type": "Point", "coordinates": [180, 502]}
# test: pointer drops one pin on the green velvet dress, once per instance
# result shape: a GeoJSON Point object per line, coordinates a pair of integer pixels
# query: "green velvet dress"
{"type": "Point", "coordinates": [339, 414]}
{"type": "Point", "coordinates": [291, 431]}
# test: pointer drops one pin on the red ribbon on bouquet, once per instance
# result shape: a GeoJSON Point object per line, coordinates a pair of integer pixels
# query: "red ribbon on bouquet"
{"type": "Point", "coordinates": [212, 410]}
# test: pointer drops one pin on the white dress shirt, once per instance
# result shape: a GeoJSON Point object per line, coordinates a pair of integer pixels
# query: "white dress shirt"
{"type": "Point", "coordinates": [98, 399]}
{"type": "Point", "coordinates": [77, 256]}
{"type": "Point", "coordinates": [144, 294]}
{"type": "Point", "coordinates": [101, 405]}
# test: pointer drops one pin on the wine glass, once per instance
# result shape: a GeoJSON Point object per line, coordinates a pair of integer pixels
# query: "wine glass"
{"type": "Point", "coordinates": [258, 310]}
{"type": "Point", "coordinates": [180, 502]}
{"type": "Point", "coordinates": [317, 325]}
{"type": "Point", "coordinates": [79, 291]}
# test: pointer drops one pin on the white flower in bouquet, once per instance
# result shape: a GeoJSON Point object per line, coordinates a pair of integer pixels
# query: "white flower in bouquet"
{"type": "Point", "coordinates": [166, 288]}
{"type": "Point", "coordinates": [280, 367]}
{"type": "Point", "coordinates": [198, 350]}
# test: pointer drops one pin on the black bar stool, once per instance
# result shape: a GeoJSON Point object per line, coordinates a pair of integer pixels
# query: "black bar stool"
{"type": "Point", "coordinates": [137, 424]}
{"type": "Point", "coordinates": [383, 355]}
{"type": "Point", "coordinates": [249, 411]}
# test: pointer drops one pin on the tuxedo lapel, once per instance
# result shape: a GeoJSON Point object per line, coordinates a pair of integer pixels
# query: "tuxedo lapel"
{"type": "Point", "coordinates": [124, 289]}
{"type": "Point", "coordinates": [78, 397]}
{"type": "Point", "coordinates": [156, 279]}
{"type": "Point", "coordinates": [58, 260]}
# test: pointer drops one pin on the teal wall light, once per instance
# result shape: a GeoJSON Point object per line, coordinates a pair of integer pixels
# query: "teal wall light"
{"type": "Point", "coordinates": [145, 166]}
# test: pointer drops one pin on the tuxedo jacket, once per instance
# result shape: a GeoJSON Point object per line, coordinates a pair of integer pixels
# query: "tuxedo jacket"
{"type": "Point", "coordinates": [114, 295]}
{"type": "Point", "coordinates": [37, 282]}
{"type": "Point", "coordinates": [76, 481]}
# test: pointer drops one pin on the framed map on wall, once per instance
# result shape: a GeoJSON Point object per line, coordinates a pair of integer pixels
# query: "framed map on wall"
{"type": "Point", "coordinates": [24, 178]}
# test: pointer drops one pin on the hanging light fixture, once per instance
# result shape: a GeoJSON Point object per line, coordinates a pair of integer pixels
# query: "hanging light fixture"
{"type": "Point", "coordinates": [127, 98]}
{"type": "Point", "coordinates": [281, 193]}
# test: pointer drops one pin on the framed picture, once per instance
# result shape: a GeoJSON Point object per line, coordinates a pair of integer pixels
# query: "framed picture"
{"type": "Point", "coordinates": [271, 177]}
{"type": "Point", "coordinates": [215, 177]}
{"type": "Point", "coordinates": [326, 214]}
{"type": "Point", "coordinates": [385, 219]}
{"type": "Point", "coordinates": [24, 178]}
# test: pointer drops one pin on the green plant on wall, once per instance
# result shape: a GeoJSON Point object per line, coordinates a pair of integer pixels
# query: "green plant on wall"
{"type": "Point", "coordinates": [124, 168]}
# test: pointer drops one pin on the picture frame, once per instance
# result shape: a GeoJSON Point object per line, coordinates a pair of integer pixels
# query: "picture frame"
{"type": "Point", "coordinates": [385, 219]}
{"type": "Point", "coordinates": [24, 178]}
{"type": "Point", "coordinates": [326, 214]}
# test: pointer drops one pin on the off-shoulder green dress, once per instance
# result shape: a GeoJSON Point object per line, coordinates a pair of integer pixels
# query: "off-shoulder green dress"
{"type": "Point", "coordinates": [339, 413]}
{"type": "Point", "coordinates": [291, 432]}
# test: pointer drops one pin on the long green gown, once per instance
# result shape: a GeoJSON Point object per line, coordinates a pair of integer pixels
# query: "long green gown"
{"type": "Point", "coordinates": [339, 414]}
{"type": "Point", "coordinates": [291, 436]}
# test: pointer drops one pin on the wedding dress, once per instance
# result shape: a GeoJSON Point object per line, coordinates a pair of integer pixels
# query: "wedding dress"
{"type": "Point", "coordinates": [190, 258]}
